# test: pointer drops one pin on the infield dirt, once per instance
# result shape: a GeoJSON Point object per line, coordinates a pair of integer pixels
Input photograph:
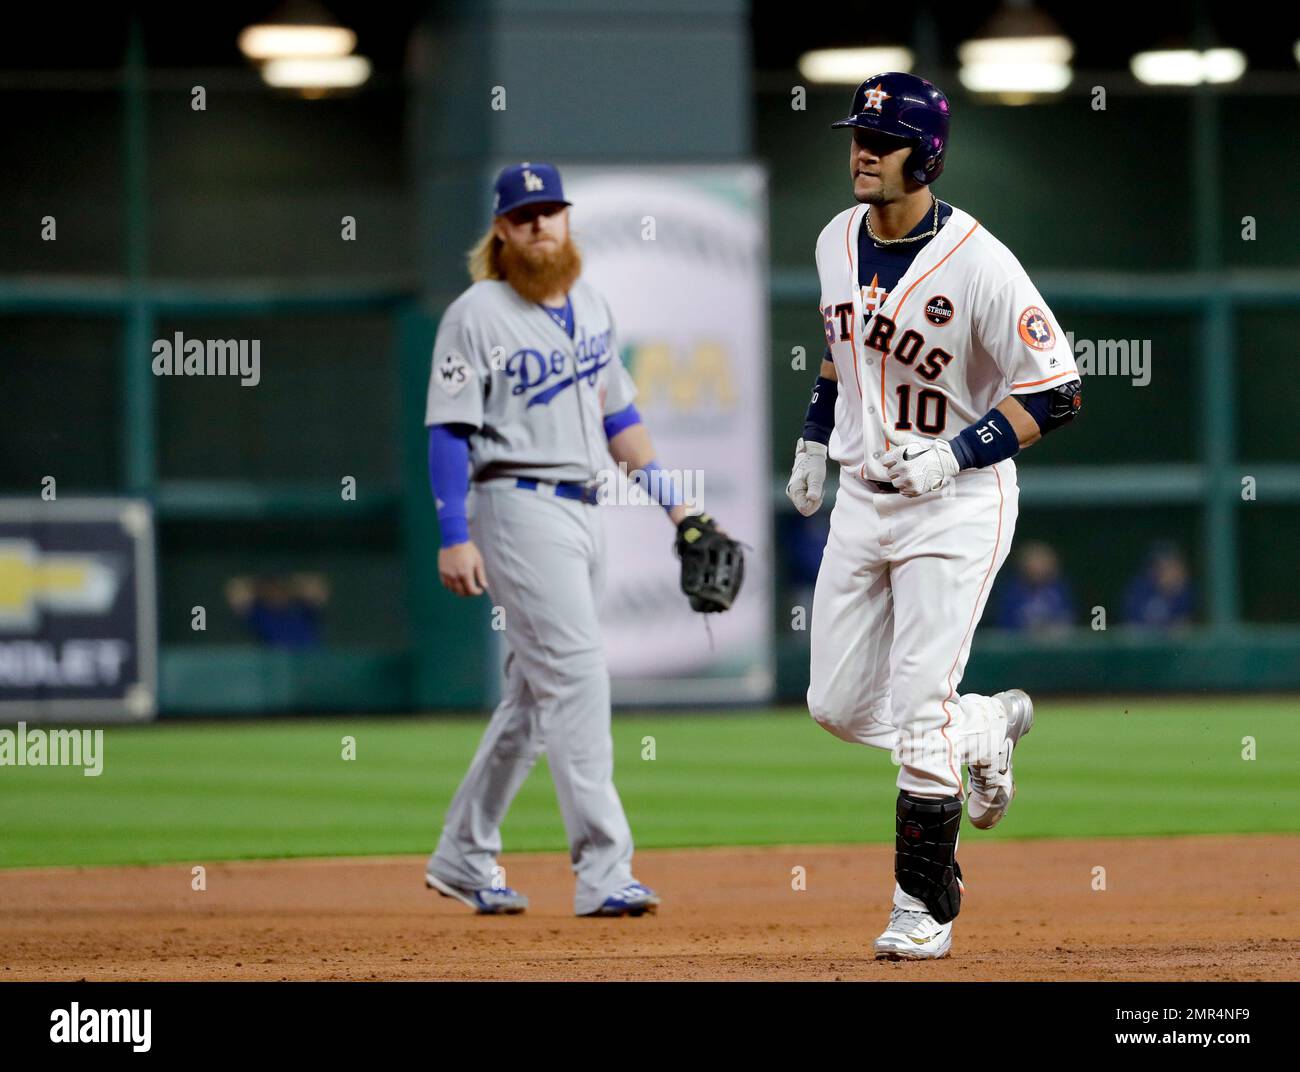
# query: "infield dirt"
{"type": "Point", "coordinates": [1172, 909]}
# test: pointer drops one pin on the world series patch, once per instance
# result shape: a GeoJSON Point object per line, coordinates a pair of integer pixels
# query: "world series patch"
{"type": "Point", "coordinates": [1035, 330]}
{"type": "Point", "coordinates": [939, 310]}
{"type": "Point", "coordinates": [452, 374]}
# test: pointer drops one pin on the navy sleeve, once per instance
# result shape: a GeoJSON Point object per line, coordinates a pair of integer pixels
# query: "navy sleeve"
{"type": "Point", "coordinates": [819, 421]}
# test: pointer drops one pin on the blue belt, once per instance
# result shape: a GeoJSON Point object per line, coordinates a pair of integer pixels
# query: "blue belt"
{"type": "Point", "coordinates": [565, 489]}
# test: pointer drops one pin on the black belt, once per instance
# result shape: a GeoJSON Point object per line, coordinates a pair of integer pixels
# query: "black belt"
{"type": "Point", "coordinates": [881, 487]}
{"type": "Point", "coordinates": [564, 489]}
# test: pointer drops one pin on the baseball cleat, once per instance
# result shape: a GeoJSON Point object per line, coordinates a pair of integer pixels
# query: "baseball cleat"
{"type": "Point", "coordinates": [991, 786]}
{"type": "Point", "coordinates": [632, 900]}
{"type": "Point", "coordinates": [913, 935]}
{"type": "Point", "coordinates": [486, 901]}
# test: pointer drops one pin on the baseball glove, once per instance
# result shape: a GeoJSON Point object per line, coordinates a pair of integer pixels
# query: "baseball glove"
{"type": "Point", "coordinates": [713, 565]}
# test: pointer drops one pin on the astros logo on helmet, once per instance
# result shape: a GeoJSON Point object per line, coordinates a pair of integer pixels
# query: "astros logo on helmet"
{"type": "Point", "coordinates": [875, 98]}
{"type": "Point", "coordinates": [907, 107]}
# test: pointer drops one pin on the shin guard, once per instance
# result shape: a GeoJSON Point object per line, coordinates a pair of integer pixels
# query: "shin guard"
{"type": "Point", "coordinates": [925, 852]}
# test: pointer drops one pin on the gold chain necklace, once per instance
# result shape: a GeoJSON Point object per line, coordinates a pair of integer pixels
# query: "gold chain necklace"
{"type": "Point", "coordinates": [934, 228]}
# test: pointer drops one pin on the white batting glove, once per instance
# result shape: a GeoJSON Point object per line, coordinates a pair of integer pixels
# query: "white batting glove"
{"type": "Point", "coordinates": [808, 477]}
{"type": "Point", "coordinates": [916, 468]}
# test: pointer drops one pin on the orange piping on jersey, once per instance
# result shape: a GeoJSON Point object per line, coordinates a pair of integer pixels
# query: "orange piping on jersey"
{"type": "Point", "coordinates": [898, 311]}
{"type": "Point", "coordinates": [1035, 383]}
{"type": "Point", "coordinates": [853, 331]}
{"type": "Point", "coordinates": [997, 542]}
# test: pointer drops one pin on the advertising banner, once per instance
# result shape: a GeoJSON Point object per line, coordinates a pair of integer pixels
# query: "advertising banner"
{"type": "Point", "coordinates": [78, 632]}
{"type": "Point", "coordinates": [680, 254]}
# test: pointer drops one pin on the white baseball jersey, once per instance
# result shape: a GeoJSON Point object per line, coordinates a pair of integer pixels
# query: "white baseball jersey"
{"type": "Point", "coordinates": [535, 397]}
{"type": "Point", "coordinates": [963, 328]}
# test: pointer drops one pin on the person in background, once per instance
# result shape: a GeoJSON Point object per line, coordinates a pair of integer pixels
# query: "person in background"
{"type": "Point", "coordinates": [280, 612]}
{"type": "Point", "coordinates": [1161, 596]}
{"type": "Point", "coordinates": [804, 540]}
{"type": "Point", "coordinates": [1037, 598]}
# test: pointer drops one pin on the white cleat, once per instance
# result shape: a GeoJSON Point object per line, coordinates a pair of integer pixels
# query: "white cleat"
{"type": "Point", "coordinates": [913, 935]}
{"type": "Point", "coordinates": [991, 786]}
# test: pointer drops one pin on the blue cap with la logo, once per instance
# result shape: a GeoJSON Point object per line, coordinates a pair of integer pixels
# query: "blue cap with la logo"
{"type": "Point", "coordinates": [527, 184]}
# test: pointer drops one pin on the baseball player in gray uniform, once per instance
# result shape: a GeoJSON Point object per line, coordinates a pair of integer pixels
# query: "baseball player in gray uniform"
{"type": "Point", "coordinates": [529, 398]}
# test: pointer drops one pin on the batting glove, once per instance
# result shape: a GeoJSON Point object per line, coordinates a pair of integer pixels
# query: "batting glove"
{"type": "Point", "coordinates": [916, 468]}
{"type": "Point", "coordinates": [808, 477]}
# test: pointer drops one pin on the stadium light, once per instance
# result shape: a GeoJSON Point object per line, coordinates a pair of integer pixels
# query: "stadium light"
{"type": "Point", "coordinates": [315, 76]}
{"type": "Point", "coordinates": [299, 28]}
{"type": "Point", "coordinates": [1188, 67]}
{"type": "Point", "coordinates": [1224, 65]}
{"type": "Point", "coordinates": [849, 66]}
{"type": "Point", "coordinates": [267, 42]}
{"type": "Point", "coordinates": [1020, 55]}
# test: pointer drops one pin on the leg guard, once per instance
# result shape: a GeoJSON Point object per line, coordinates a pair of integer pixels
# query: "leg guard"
{"type": "Point", "coordinates": [925, 852]}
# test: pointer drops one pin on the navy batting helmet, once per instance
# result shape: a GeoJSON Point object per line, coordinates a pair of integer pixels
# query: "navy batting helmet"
{"type": "Point", "coordinates": [904, 106]}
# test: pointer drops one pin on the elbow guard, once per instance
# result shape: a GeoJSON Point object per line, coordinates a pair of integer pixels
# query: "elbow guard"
{"type": "Point", "coordinates": [1055, 407]}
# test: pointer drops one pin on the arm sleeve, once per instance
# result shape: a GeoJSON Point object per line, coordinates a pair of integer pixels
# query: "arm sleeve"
{"type": "Point", "coordinates": [449, 479]}
{"type": "Point", "coordinates": [457, 377]}
{"type": "Point", "coordinates": [1019, 331]}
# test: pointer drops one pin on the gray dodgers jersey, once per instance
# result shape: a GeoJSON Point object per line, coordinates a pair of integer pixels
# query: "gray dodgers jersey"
{"type": "Point", "coordinates": [535, 398]}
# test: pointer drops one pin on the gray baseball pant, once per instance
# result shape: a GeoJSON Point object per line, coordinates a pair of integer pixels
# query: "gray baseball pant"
{"type": "Point", "coordinates": [545, 561]}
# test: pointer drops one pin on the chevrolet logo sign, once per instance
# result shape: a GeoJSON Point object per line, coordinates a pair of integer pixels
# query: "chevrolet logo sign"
{"type": "Point", "coordinates": [54, 582]}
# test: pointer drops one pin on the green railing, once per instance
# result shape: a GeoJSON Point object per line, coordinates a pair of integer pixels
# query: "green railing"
{"type": "Point", "coordinates": [448, 662]}
{"type": "Point", "coordinates": [446, 665]}
{"type": "Point", "coordinates": [1226, 653]}
{"type": "Point", "coordinates": [211, 679]}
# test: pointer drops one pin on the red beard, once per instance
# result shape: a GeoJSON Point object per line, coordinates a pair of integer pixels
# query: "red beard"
{"type": "Point", "coordinates": [541, 273]}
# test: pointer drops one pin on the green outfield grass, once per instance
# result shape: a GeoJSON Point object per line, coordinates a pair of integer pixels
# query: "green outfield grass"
{"type": "Point", "coordinates": [201, 792]}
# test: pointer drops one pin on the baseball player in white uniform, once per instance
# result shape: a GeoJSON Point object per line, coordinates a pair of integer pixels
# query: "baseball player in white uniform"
{"type": "Point", "coordinates": [943, 361]}
{"type": "Point", "coordinates": [529, 398]}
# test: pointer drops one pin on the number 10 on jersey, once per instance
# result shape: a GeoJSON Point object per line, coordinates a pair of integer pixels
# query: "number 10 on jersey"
{"type": "Point", "coordinates": [931, 415]}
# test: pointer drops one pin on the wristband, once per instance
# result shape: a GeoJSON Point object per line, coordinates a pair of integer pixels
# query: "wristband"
{"type": "Point", "coordinates": [988, 441]}
{"type": "Point", "coordinates": [662, 488]}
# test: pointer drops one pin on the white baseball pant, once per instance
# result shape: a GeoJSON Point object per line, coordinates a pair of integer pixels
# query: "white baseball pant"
{"type": "Point", "coordinates": [902, 585]}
